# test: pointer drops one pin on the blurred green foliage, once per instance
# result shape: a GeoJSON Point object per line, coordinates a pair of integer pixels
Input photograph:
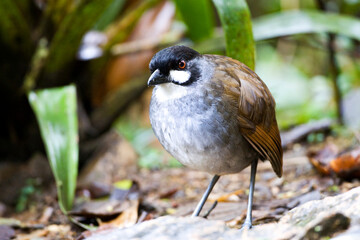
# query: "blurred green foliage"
{"type": "Point", "coordinates": [299, 97]}
{"type": "Point", "coordinates": [109, 15]}
{"type": "Point", "coordinates": [143, 139]}
{"type": "Point", "coordinates": [14, 26]}
{"type": "Point", "coordinates": [198, 16]}
{"type": "Point", "coordinates": [40, 41]}
{"type": "Point", "coordinates": [66, 40]}
{"type": "Point", "coordinates": [30, 188]}
{"type": "Point", "coordinates": [298, 22]}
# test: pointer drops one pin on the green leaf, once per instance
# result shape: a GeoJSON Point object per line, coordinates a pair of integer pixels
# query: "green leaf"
{"type": "Point", "coordinates": [67, 39]}
{"type": "Point", "coordinates": [236, 21]}
{"type": "Point", "coordinates": [14, 27]}
{"type": "Point", "coordinates": [123, 184]}
{"type": "Point", "coordinates": [110, 14]}
{"type": "Point", "coordinates": [55, 110]}
{"type": "Point", "coordinates": [198, 17]}
{"type": "Point", "coordinates": [291, 23]}
{"type": "Point", "coordinates": [119, 30]}
{"type": "Point", "coordinates": [297, 22]}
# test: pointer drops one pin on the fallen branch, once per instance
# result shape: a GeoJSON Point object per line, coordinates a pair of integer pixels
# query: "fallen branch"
{"type": "Point", "coordinates": [300, 132]}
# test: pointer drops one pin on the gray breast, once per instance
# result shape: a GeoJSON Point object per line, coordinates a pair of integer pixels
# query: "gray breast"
{"type": "Point", "coordinates": [201, 131]}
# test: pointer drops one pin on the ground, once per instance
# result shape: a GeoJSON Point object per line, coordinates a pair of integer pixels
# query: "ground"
{"type": "Point", "coordinates": [173, 191]}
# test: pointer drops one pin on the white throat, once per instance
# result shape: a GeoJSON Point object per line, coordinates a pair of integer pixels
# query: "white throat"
{"type": "Point", "coordinates": [180, 76]}
{"type": "Point", "coordinates": [169, 91]}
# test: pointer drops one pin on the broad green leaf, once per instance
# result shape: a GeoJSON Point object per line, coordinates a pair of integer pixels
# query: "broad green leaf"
{"type": "Point", "coordinates": [236, 21]}
{"type": "Point", "coordinates": [55, 110]}
{"type": "Point", "coordinates": [198, 17]}
{"type": "Point", "coordinates": [297, 22]}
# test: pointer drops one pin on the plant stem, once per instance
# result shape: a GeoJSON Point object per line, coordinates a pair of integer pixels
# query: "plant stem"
{"type": "Point", "coordinates": [335, 71]}
{"type": "Point", "coordinates": [36, 66]}
{"type": "Point", "coordinates": [334, 68]}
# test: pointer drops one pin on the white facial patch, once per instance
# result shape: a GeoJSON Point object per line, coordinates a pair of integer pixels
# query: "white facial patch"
{"type": "Point", "coordinates": [180, 76]}
{"type": "Point", "coordinates": [169, 91]}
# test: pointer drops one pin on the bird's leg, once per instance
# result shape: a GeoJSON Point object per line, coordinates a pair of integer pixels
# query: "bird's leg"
{"type": "Point", "coordinates": [248, 221]}
{"type": "Point", "coordinates": [205, 196]}
{"type": "Point", "coordinates": [210, 210]}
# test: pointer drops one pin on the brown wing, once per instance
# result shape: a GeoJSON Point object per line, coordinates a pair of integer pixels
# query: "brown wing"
{"type": "Point", "coordinates": [256, 110]}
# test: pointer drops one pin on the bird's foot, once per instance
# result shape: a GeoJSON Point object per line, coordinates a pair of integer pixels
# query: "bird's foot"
{"type": "Point", "coordinates": [246, 225]}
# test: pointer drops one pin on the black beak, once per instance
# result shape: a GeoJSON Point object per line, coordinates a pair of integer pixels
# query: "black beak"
{"type": "Point", "coordinates": [157, 78]}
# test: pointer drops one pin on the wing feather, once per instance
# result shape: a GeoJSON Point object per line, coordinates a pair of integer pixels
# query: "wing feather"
{"type": "Point", "coordinates": [256, 110]}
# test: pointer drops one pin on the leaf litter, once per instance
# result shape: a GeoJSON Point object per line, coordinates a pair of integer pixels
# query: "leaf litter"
{"type": "Point", "coordinates": [151, 193]}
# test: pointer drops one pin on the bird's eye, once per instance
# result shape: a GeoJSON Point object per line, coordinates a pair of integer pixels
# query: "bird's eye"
{"type": "Point", "coordinates": [182, 64]}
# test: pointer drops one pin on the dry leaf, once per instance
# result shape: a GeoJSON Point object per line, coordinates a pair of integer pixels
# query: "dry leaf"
{"type": "Point", "coordinates": [127, 218]}
{"type": "Point", "coordinates": [321, 159]}
{"type": "Point", "coordinates": [230, 197]}
{"type": "Point", "coordinates": [100, 208]}
{"type": "Point", "coordinates": [329, 161]}
{"type": "Point", "coordinates": [347, 165]}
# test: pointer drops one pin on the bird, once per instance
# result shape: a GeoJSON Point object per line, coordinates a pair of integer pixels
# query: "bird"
{"type": "Point", "coordinates": [214, 114]}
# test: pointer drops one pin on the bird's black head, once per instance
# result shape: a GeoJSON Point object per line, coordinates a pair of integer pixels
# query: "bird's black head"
{"type": "Point", "coordinates": [174, 64]}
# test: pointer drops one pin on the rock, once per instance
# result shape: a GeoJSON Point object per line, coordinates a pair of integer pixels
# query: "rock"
{"type": "Point", "coordinates": [6, 232]}
{"type": "Point", "coordinates": [310, 219]}
{"type": "Point", "coordinates": [328, 226]}
{"type": "Point", "coordinates": [351, 234]}
{"type": "Point", "coordinates": [171, 228]}
{"type": "Point", "coordinates": [346, 203]}
{"type": "Point", "coordinates": [317, 219]}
